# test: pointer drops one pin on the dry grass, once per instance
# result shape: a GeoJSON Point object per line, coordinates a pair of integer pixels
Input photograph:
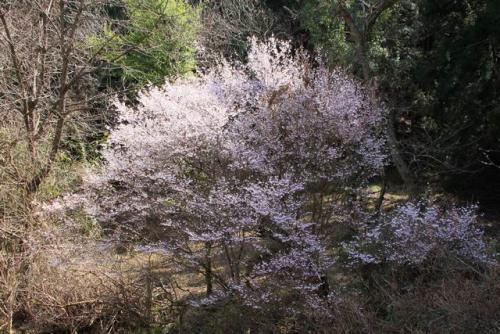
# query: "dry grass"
{"type": "Point", "coordinates": [70, 283]}
{"type": "Point", "coordinates": [455, 304]}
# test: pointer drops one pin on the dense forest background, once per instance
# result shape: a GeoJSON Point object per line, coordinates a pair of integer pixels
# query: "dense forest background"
{"type": "Point", "coordinates": [436, 65]}
{"type": "Point", "coordinates": [246, 166]}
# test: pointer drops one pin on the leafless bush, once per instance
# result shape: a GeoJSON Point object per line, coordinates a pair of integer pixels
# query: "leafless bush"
{"type": "Point", "coordinates": [74, 283]}
{"type": "Point", "coordinates": [46, 80]}
{"type": "Point", "coordinates": [455, 302]}
{"type": "Point", "coordinates": [229, 23]}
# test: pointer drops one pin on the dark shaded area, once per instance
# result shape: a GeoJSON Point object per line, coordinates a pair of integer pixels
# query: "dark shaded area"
{"type": "Point", "coordinates": [437, 65]}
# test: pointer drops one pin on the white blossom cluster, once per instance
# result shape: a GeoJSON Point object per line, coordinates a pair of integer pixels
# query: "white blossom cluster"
{"type": "Point", "coordinates": [217, 171]}
{"type": "Point", "coordinates": [293, 117]}
{"type": "Point", "coordinates": [417, 230]}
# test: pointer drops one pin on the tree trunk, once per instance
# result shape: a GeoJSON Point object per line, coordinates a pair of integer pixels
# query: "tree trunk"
{"type": "Point", "coordinates": [208, 269]}
{"type": "Point", "coordinates": [397, 158]}
{"type": "Point", "coordinates": [361, 36]}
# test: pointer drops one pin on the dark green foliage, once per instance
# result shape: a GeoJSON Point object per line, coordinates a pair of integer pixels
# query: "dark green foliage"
{"type": "Point", "coordinates": [449, 84]}
{"type": "Point", "coordinates": [157, 41]}
{"type": "Point", "coordinates": [436, 64]}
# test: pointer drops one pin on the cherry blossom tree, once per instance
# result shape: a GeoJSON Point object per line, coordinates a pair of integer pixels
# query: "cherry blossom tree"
{"type": "Point", "coordinates": [231, 172]}
{"type": "Point", "coordinates": [223, 171]}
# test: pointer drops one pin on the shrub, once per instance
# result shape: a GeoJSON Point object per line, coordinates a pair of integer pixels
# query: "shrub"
{"type": "Point", "coordinates": [417, 230]}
